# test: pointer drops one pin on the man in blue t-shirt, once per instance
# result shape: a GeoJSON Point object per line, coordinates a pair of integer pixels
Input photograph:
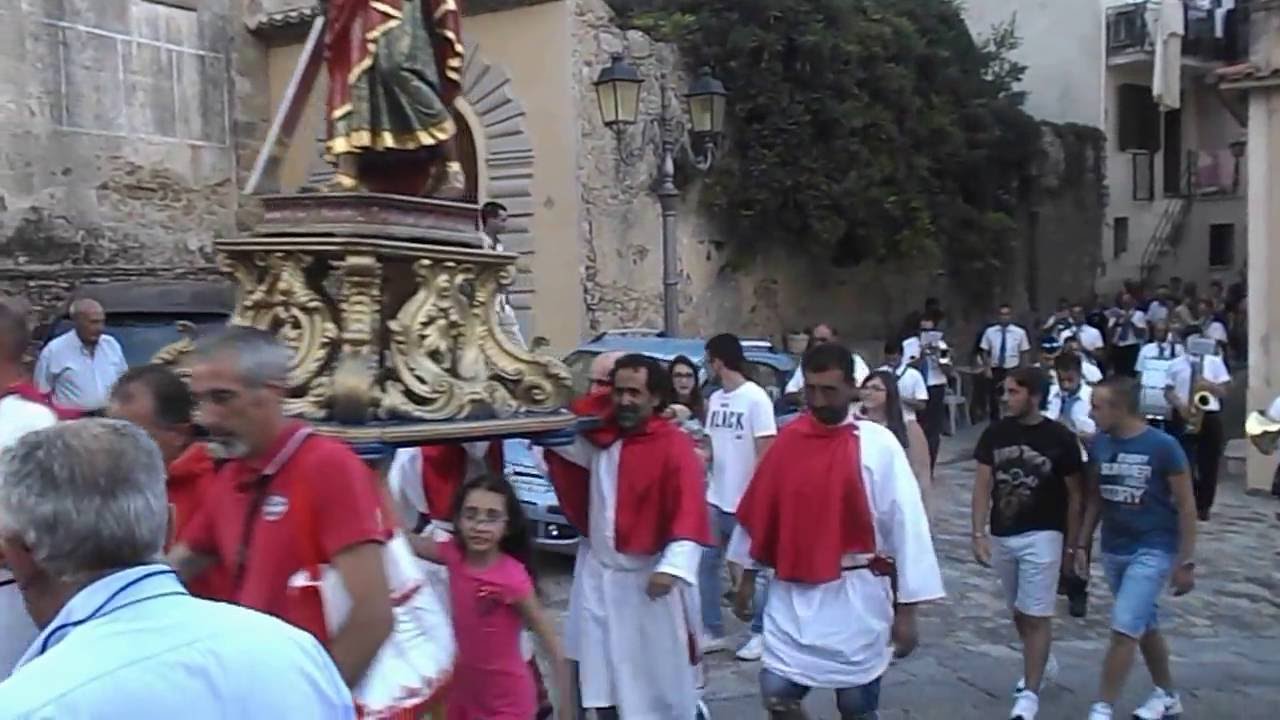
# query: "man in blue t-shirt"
{"type": "Point", "coordinates": [1140, 486]}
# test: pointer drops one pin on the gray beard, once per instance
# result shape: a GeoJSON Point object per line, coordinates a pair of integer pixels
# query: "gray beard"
{"type": "Point", "coordinates": [226, 448]}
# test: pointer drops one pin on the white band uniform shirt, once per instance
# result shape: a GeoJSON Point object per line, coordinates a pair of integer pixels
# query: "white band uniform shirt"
{"type": "Point", "coordinates": [860, 372]}
{"type": "Point", "coordinates": [808, 638]}
{"type": "Point", "coordinates": [1072, 409]}
{"type": "Point", "coordinates": [77, 377]}
{"type": "Point", "coordinates": [1004, 345]}
{"type": "Point", "coordinates": [934, 374]}
{"type": "Point", "coordinates": [1212, 369]}
{"type": "Point", "coordinates": [1157, 312]}
{"type": "Point", "coordinates": [1167, 350]}
{"type": "Point", "coordinates": [1128, 336]}
{"type": "Point", "coordinates": [1090, 337]}
{"type": "Point", "coordinates": [735, 420]}
{"type": "Point", "coordinates": [910, 386]}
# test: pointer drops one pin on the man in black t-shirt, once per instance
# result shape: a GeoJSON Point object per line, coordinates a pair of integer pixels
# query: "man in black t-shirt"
{"type": "Point", "coordinates": [1029, 487]}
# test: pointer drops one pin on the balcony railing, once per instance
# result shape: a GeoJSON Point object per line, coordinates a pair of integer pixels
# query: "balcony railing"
{"type": "Point", "coordinates": [1211, 35]}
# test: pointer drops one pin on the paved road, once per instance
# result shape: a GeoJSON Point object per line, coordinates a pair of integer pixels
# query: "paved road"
{"type": "Point", "coordinates": [1225, 636]}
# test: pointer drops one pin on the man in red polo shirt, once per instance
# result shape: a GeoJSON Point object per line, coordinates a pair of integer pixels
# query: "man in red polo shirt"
{"type": "Point", "coordinates": [155, 399]}
{"type": "Point", "coordinates": [276, 473]}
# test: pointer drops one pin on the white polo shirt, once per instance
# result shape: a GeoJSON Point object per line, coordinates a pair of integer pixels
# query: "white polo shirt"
{"type": "Point", "coordinates": [1167, 350]}
{"type": "Point", "coordinates": [77, 378]}
{"type": "Point", "coordinates": [1213, 369]}
{"type": "Point", "coordinates": [1014, 341]}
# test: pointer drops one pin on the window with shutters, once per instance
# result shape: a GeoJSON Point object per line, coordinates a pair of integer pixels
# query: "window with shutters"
{"type": "Point", "coordinates": [1222, 245]}
{"type": "Point", "coordinates": [1138, 119]}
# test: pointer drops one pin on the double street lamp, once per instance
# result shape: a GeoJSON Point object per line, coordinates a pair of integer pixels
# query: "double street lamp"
{"type": "Point", "coordinates": [618, 93]}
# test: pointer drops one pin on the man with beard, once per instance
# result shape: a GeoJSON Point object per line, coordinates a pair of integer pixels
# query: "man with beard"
{"type": "Point", "coordinates": [822, 334]}
{"type": "Point", "coordinates": [635, 488]}
{"type": "Point", "coordinates": [1028, 488]}
{"type": "Point", "coordinates": [276, 468]}
{"type": "Point", "coordinates": [155, 399]}
{"type": "Point", "coordinates": [835, 511]}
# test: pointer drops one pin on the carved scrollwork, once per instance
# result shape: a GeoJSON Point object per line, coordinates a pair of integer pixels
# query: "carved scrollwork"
{"type": "Point", "coordinates": [173, 353]}
{"type": "Point", "coordinates": [276, 297]}
{"type": "Point", "coordinates": [449, 357]}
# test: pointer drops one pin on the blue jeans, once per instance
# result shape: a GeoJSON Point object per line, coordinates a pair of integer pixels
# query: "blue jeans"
{"type": "Point", "coordinates": [1137, 581]}
{"type": "Point", "coordinates": [710, 587]}
{"type": "Point", "coordinates": [854, 703]}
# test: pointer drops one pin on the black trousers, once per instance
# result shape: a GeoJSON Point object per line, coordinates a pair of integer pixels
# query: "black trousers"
{"type": "Point", "coordinates": [935, 417]}
{"type": "Point", "coordinates": [995, 390]}
{"type": "Point", "coordinates": [1204, 452]}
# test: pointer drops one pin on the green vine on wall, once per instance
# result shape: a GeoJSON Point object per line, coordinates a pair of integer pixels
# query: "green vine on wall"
{"type": "Point", "coordinates": [861, 130]}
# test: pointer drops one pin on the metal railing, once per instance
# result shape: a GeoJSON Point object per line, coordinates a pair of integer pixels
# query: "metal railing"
{"type": "Point", "coordinates": [1128, 32]}
{"type": "Point", "coordinates": [1168, 232]}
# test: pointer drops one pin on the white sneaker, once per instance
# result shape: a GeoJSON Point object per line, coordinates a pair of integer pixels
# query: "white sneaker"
{"type": "Point", "coordinates": [1025, 706]}
{"type": "Point", "coordinates": [753, 649]}
{"type": "Point", "coordinates": [1159, 706]}
{"type": "Point", "coordinates": [711, 644]}
{"type": "Point", "coordinates": [1100, 711]}
{"type": "Point", "coordinates": [1047, 678]}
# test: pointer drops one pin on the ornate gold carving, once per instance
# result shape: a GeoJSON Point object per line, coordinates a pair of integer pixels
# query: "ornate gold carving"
{"type": "Point", "coordinates": [449, 358]}
{"type": "Point", "coordinates": [275, 296]}
{"type": "Point", "coordinates": [173, 353]}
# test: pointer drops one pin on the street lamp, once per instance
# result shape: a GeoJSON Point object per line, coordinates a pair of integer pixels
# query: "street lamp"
{"type": "Point", "coordinates": [618, 93]}
{"type": "Point", "coordinates": [1237, 151]}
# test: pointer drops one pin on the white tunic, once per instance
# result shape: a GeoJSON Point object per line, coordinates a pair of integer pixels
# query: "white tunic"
{"type": "Point", "coordinates": [17, 418]}
{"type": "Point", "coordinates": [632, 652]}
{"type": "Point", "coordinates": [836, 635]}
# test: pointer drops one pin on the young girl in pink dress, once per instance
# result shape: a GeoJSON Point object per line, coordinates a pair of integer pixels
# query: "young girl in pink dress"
{"type": "Point", "coordinates": [492, 596]}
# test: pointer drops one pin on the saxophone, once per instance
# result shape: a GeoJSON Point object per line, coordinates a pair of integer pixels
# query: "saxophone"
{"type": "Point", "coordinates": [1201, 399]}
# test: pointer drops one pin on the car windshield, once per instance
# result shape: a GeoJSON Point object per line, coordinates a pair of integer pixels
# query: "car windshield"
{"type": "Point", "coordinates": [770, 378]}
{"type": "Point", "coordinates": [141, 337]}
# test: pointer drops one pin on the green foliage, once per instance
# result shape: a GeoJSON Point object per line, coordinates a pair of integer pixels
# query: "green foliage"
{"type": "Point", "coordinates": [861, 130]}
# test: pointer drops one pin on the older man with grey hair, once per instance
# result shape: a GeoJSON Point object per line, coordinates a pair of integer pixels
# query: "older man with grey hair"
{"type": "Point", "coordinates": [79, 367]}
{"type": "Point", "coordinates": [285, 501]}
{"type": "Point", "coordinates": [120, 636]}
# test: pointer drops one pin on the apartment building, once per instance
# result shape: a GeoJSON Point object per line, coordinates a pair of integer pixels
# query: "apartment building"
{"type": "Point", "coordinates": [1176, 148]}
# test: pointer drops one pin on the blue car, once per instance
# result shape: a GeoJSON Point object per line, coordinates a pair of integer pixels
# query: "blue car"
{"type": "Point", "coordinates": [525, 470]}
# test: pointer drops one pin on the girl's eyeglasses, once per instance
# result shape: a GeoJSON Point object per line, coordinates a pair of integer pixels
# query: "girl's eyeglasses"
{"type": "Point", "coordinates": [475, 516]}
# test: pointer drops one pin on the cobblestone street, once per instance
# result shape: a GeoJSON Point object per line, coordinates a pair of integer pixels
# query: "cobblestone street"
{"type": "Point", "coordinates": [1224, 636]}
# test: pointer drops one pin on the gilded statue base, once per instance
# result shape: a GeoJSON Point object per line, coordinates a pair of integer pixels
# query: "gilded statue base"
{"type": "Point", "coordinates": [391, 308]}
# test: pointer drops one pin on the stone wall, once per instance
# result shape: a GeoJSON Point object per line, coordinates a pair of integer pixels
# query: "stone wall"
{"type": "Point", "coordinates": [778, 291]}
{"type": "Point", "coordinates": [122, 126]}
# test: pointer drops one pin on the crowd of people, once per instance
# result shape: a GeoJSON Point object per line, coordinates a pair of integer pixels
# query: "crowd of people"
{"type": "Point", "coordinates": [685, 505]}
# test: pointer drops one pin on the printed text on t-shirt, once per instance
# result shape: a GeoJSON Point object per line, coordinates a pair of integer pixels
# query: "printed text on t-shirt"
{"type": "Point", "coordinates": [1124, 480]}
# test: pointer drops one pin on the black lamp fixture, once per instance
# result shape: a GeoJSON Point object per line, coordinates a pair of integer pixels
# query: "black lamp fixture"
{"type": "Point", "coordinates": [618, 92]}
{"type": "Point", "coordinates": [706, 98]}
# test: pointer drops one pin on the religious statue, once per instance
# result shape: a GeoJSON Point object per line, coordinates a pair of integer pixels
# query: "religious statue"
{"type": "Point", "coordinates": [395, 69]}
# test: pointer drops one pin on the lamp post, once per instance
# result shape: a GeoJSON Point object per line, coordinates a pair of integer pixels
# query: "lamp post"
{"type": "Point", "coordinates": [618, 93]}
{"type": "Point", "coordinates": [1237, 151]}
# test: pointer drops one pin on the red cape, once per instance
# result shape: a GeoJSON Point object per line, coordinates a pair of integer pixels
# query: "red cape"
{"type": "Point", "coordinates": [806, 505]}
{"type": "Point", "coordinates": [444, 470]}
{"type": "Point", "coordinates": [28, 392]}
{"type": "Point", "coordinates": [661, 484]}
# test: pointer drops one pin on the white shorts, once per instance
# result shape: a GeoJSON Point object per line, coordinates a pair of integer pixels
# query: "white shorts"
{"type": "Point", "coordinates": [1029, 565]}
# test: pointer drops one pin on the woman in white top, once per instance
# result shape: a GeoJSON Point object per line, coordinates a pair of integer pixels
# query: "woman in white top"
{"type": "Point", "coordinates": [882, 404]}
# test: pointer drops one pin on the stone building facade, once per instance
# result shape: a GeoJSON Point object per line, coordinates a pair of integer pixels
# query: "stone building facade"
{"type": "Point", "coordinates": [122, 125]}
{"type": "Point", "coordinates": [130, 125]}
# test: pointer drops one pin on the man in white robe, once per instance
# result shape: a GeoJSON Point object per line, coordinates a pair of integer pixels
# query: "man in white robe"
{"type": "Point", "coordinates": [635, 488]}
{"type": "Point", "coordinates": [838, 608]}
{"type": "Point", "coordinates": [21, 411]}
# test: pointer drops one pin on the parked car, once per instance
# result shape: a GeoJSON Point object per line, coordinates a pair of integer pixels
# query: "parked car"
{"type": "Point", "coordinates": [524, 467]}
{"type": "Point", "coordinates": [144, 317]}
